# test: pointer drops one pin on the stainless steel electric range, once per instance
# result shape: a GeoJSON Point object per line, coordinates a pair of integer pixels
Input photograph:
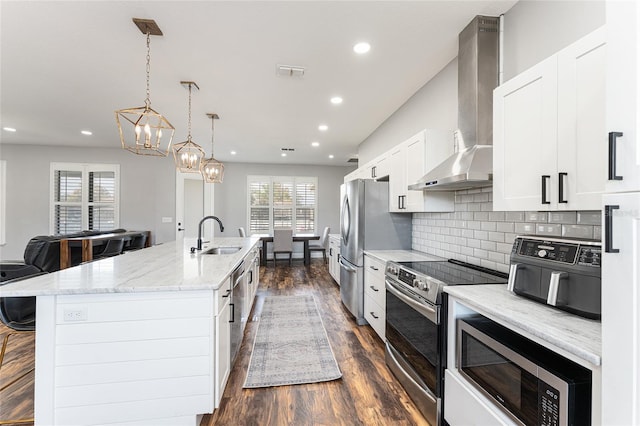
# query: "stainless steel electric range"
{"type": "Point", "coordinates": [416, 325]}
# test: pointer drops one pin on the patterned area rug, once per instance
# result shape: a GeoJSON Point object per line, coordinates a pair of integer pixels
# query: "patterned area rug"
{"type": "Point", "coordinates": [291, 345]}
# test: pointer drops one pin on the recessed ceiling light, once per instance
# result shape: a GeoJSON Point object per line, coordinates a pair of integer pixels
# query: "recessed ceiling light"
{"type": "Point", "coordinates": [336, 100]}
{"type": "Point", "coordinates": [233, 153]}
{"type": "Point", "coordinates": [86, 132]}
{"type": "Point", "coordinates": [284, 154]}
{"type": "Point", "coordinates": [8, 129]}
{"type": "Point", "coordinates": [316, 144]}
{"type": "Point", "coordinates": [323, 127]}
{"type": "Point", "coordinates": [362, 47]}
{"type": "Point", "coordinates": [330, 155]}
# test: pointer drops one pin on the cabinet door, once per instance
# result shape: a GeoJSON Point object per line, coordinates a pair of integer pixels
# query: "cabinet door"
{"type": "Point", "coordinates": [524, 139]}
{"type": "Point", "coordinates": [222, 352]}
{"type": "Point", "coordinates": [414, 166]}
{"type": "Point", "coordinates": [582, 169]}
{"type": "Point", "coordinates": [397, 179]}
{"type": "Point", "coordinates": [620, 307]}
{"type": "Point", "coordinates": [623, 92]}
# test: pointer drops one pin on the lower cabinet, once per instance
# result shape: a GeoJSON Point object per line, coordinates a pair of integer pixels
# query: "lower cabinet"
{"type": "Point", "coordinates": [334, 258]}
{"type": "Point", "coordinates": [374, 294]}
{"type": "Point", "coordinates": [222, 348]}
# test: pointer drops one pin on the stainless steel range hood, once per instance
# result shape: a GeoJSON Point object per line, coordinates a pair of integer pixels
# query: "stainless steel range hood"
{"type": "Point", "coordinates": [471, 165]}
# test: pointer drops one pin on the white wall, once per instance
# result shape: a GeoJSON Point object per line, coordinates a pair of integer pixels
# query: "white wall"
{"type": "Point", "coordinates": [230, 198]}
{"type": "Point", "coordinates": [534, 29]}
{"type": "Point", "coordinates": [147, 191]}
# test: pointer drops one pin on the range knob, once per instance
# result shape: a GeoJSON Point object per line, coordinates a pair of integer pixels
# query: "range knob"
{"type": "Point", "coordinates": [392, 270]}
{"type": "Point", "coordinates": [420, 284]}
{"type": "Point", "coordinates": [542, 253]}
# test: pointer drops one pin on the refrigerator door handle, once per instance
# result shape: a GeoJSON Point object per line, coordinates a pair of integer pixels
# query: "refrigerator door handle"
{"type": "Point", "coordinates": [346, 220]}
{"type": "Point", "coordinates": [347, 265]}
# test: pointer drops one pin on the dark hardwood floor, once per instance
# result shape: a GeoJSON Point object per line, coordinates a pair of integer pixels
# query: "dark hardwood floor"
{"type": "Point", "coordinates": [367, 393]}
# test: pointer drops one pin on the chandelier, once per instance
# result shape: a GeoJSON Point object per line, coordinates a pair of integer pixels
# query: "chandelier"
{"type": "Point", "coordinates": [188, 155]}
{"type": "Point", "coordinates": [212, 170]}
{"type": "Point", "coordinates": [142, 129]}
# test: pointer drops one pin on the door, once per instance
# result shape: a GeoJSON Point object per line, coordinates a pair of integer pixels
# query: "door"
{"type": "Point", "coordinates": [582, 147]}
{"type": "Point", "coordinates": [623, 93]}
{"type": "Point", "coordinates": [194, 200]}
{"type": "Point", "coordinates": [524, 139]}
{"type": "Point", "coordinates": [620, 307]}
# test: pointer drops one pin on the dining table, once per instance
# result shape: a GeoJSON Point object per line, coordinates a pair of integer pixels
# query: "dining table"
{"type": "Point", "coordinates": [304, 238]}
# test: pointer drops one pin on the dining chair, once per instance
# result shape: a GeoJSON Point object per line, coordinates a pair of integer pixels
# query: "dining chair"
{"type": "Point", "coordinates": [137, 242]}
{"type": "Point", "coordinates": [242, 232]}
{"type": "Point", "coordinates": [322, 244]}
{"type": "Point", "coordinates": [282, 243]}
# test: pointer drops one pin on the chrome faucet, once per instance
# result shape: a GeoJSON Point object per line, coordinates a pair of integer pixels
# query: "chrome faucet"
{"type": "Point", "coordinates": [200, 229]}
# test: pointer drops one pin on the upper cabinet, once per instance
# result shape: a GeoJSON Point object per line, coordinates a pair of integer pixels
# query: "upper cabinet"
{"type": "Point", "coordinates": [623, 96]}
{"type": "Point", "coordinates": [408, 162]}
{"type": "Point", "coordinates": [549, 132]}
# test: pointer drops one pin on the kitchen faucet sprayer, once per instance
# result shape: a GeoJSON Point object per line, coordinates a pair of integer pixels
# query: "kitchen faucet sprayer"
{"type": "Point", "coordinates": [200, 228]}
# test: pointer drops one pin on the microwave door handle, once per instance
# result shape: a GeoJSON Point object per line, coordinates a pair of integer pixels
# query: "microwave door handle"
{"type": "Point", "coordinates": [554, 284]}
{"type": "Point", "coordinates": [513, 271]}
{"type": "Point", "coordinates": [429, 312]}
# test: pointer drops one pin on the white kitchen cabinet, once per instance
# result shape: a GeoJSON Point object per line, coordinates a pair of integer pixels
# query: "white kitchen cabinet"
{"type": "Point", "coordinates": [252, 264]}
{"type": "Point", "coordinates": [408, 162]}
{"type": "Point", "coordinates": [380, 167]}
{"type": "Point", "coordinates": [620, 307]}
{"type": "Point", "coordinates": [334, 257]}
{"type": "Point", "coordinates": [222, 341]}
{"type": "Point", "coordinates": [549, 127]}
{"type": "Point", "coordinates": [623, 93]}
{"type": "Point", "coordinates": [374, 294]}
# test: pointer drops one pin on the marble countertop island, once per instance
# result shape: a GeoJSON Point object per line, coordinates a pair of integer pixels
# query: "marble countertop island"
{"type": "Point", "coordinates": [165, 267]}
{"type": "Point", "coordinates": [579, 336]}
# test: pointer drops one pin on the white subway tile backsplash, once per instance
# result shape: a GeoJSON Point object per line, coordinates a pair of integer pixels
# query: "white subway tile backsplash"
{"type": "Point", "coordinates": [589, 217]}
{"type": "Point", "coordinates": [536, 216]}
{"type": "Point", "coordinates": [552, 230]}
{"type": "Point", "coordinates": [514, 216]}
{"type": "Point", "coordinates": [476, 234]}
{"type": "Point", "coordinates": [577, 231]}
{"type": "Point", "coordinates": [562, 217]}
{"type": "Point", "coordinates": [525, 228]}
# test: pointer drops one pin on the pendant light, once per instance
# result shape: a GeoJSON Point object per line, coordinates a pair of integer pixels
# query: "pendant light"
{"type": "Point", "coordinates": [142, 129]}
{"type": "Point", "coordinates": [188, 155]}
{"type": "Point", "coordinates": [212, 170]}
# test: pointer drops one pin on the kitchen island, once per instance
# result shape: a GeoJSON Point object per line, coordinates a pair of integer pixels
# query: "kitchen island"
{"type": "Point", "coordinates": [140, 338]}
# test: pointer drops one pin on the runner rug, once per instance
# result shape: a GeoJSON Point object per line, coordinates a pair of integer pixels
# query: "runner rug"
{"type": "Point", "coordinates": [291, 345]}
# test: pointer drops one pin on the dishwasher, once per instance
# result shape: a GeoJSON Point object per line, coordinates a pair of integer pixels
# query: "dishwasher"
{"type": "Point", "coordinates": [238, 296]}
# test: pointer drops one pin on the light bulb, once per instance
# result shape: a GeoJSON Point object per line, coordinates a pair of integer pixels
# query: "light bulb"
{"type": "Point", "coordinates": [138, 130]}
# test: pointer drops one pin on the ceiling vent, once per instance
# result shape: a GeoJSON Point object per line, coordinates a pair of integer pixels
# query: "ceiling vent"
{"type": "Point", "coordinates": [287, 149]}
{"type": "Point", "coordinates": [289, 71]}
{"type": "Point", "coordinates": [352, 160]}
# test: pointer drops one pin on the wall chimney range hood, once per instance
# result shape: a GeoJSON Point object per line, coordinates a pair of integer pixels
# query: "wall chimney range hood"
{"type": "Point", "coordinates": [472, 164]}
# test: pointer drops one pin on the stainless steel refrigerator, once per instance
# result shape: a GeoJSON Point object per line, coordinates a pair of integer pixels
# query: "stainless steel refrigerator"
{"type": "Point", "coordinates": [366, 224]}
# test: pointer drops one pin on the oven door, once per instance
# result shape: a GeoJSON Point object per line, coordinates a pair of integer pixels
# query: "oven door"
{"type": "Point", "coordinates": [414, 342]}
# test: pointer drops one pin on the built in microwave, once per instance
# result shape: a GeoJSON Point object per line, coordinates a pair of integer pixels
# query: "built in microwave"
{"type": "Point", "coordinates": [530, 383]}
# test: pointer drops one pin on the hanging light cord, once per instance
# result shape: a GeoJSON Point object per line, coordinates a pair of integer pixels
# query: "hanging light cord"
{"type": "Point", "coordinates": [147, 102]}
{"type": "Point", "coordinates": [189, 124]}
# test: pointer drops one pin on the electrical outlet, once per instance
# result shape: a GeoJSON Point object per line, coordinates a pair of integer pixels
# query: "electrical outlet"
{"type": "Point", "coordinates": [75, 314]}
{"type": "Point", "coordinates": [167, 219]}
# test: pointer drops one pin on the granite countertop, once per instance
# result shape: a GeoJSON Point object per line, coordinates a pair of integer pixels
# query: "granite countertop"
{"type": "Point", "coordinates": [402, 255]}
{"type": "Point", "coordinates": [579, 336]}
{"type": "Point", "coordinates": [165, 267]}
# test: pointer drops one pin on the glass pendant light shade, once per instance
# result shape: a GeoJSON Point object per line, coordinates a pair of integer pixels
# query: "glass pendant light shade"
{"type": "Point", "coordinates": [143, 130]}
{"type": "Point", "coordinates": [212, 170]}
{"type": "Point", "coordinates": [188, 155]}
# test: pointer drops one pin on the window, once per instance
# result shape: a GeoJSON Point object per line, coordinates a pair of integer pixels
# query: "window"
{"type": "Point", "coordinates": [282, 202]}
{"type": "Point", "coordinates": [84, 196]}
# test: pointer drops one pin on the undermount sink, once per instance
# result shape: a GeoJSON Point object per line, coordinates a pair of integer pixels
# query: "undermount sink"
{"type": "Point", "coordinates": [222, 250]}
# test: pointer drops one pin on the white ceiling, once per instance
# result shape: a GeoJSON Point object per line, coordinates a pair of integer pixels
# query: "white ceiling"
{"type": "Point", "coordinates": [67, 66]}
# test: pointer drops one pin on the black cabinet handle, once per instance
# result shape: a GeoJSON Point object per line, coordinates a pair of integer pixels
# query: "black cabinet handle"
{"type": "Point", "coordinates": [613, 138]}
{"type": "Point", "coordinates": [561, 177]}
{"type": "Point", "coordinates": [374, 315]}
{"type": "Point", "coordinates": [399, 202]}
{"type": "Point", "coordinates": [373, 267]}
{"type": "Point", "coordinates": [233, 312]}
{"type": "Point", "coordinates": [373, 288]}
{"type": "Point", "coordinates": [544, 189]}
{"type": "Point", "coordinates": [227, 294]}
{"type": "Point", "coordinates": [608, 229]}
{"type": "Point", "coordinates": [251, 277]}
{"type": "Point", "coordinates": [373, 172]}
{"type": "Point", "coordinates": [330, 251]}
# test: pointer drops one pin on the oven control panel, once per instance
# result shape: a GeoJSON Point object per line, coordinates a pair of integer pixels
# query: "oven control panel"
{"type": "Point", "coordinates": [565, 252]}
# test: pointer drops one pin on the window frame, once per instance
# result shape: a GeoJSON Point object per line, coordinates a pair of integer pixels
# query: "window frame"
{"type": "Point", "coordinates": [84, 203]}
{"type": "Point", "coordinates": [294, 206]}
